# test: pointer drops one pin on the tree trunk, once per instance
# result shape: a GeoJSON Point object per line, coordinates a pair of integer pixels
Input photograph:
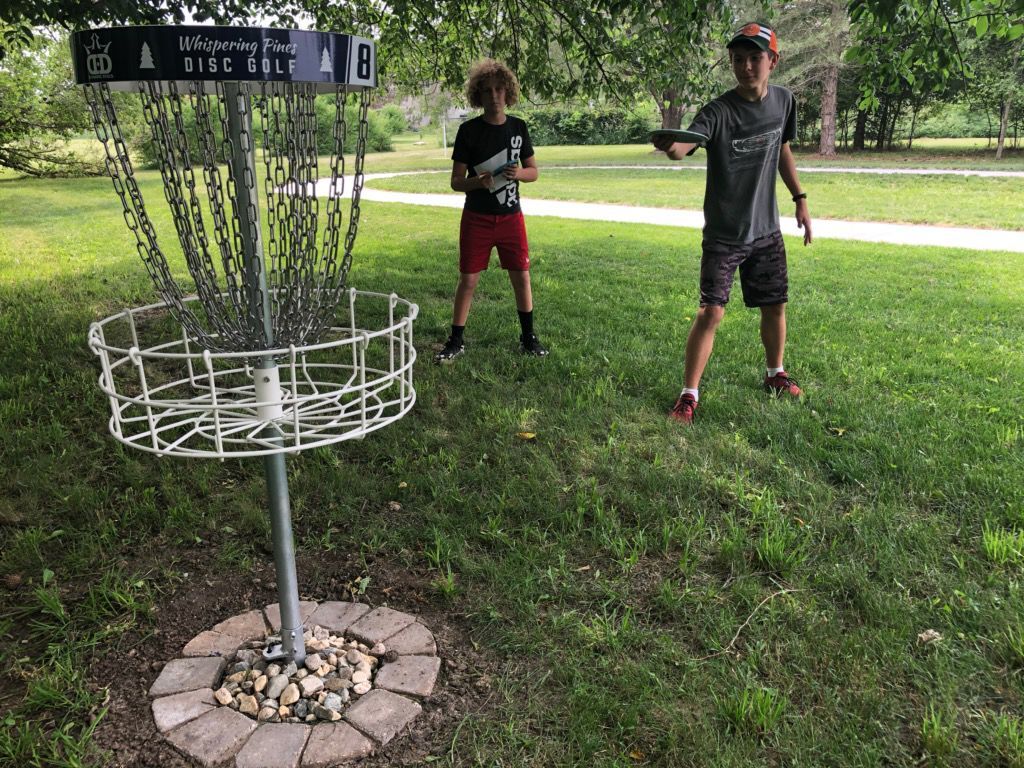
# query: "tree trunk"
{"type": "Point", "coordinates": [670, 108]}
{"type": "Point", "coordinates": [893, 119]}
{"type": "Point", "coordinates": [860, 128]}
{"type": "Point", "coordinates": [1004, 119]}
{"type": "Point", "coordinates": [672, 116]}
{"type": "Point", "coordinates": [883, 123]}
{"type": "Point", "coordinates": [913, 125]}
{"type": "Point", "coordinates": [829, 88]}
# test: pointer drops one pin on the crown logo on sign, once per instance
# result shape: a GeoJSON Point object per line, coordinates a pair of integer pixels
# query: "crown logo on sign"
{"type": "Point", "coordinates": [97, 46]}
{"type": "Point", "coordinates": [97, 62]}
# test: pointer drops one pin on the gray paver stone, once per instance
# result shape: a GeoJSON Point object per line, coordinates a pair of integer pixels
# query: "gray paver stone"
{"type": "Point", "coordinates": [337, 616]}
{"type": "Point", "coordinates": [248, 626]}
{"type": "Point", "coordinates": [180, 675]}
{"type": "Point", "coordinates": [212, 643]}
{"type": "Point", "coordinates": [380, 624]}
{"type": "Point", "coordinates": [415, 675]}
{"type": "Point", "coordinates": [171, 711]}
{"type": "Point", "coordinates": [274, 745]}
{"type": "Point", "coordinates": [214, 737]}
{"type": "Point", "coordinates": [414, 639]}
{"type": "Point", "coordinates": [273, 613]}
{"type": "Point", "coordinates": [334, 743]}
{"type": "Point", "coordinates": [382, 714]}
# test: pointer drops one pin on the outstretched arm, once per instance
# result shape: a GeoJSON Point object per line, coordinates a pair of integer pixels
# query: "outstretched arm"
{"type": "Point", "coordinates": [676, 150]}
{"type": "Point", "coordinates": [787, 169]}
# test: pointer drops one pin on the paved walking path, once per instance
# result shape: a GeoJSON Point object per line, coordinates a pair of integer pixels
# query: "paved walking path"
{"type": "Point", "coordinates": [811, 169]}
{"type": "Point", "coordinates": [823, 229]}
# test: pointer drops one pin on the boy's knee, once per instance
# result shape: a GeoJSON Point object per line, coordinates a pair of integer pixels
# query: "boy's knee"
{"type": "Point", "coordinates": [774, 310]}
{"type": "Point", "coordinates": [710, 315]}
{"type": "Point", "coordinates": [468, 280]}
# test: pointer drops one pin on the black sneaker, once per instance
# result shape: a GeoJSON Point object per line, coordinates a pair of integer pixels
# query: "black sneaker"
{"type": "Point", "coordinates": [449, 352]}
{"type": "Point", "coordinates": [530, 345]}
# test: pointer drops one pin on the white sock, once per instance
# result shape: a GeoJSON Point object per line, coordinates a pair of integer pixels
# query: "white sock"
{"type": "Point", "coordinates": [688, 391]}
{"type": "Point", "coordinates": [775, 371]}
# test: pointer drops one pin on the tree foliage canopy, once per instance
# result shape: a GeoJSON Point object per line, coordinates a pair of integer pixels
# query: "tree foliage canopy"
{"type": "Point", "coordinates": [563, 48]}
{"type": "Point", "coordinates": [917, 41]}
{"type": "Point", "coordinates": [37, 103]}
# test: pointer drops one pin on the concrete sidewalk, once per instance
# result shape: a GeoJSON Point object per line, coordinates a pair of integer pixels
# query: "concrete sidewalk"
{"type": "Point", "coordinates": [823, 229]}
{"type": "Point", "coordinates": [802, 171]}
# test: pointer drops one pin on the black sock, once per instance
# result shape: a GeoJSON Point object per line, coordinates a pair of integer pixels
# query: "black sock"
{"type": "Point", "coordinates": [457, 333]}
{"type": "Point", "coordinates": [526, 321]}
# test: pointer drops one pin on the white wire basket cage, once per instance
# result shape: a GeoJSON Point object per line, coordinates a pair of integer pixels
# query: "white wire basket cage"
{"type": "Point", "coordinates": [171, 397]}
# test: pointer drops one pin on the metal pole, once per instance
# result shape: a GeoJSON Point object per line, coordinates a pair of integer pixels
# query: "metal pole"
{"type": "Point", "coordinates": [243, 162]}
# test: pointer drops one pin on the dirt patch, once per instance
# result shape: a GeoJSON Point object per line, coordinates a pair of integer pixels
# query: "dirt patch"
{"type": "Point", "coordinates": [209, 595]}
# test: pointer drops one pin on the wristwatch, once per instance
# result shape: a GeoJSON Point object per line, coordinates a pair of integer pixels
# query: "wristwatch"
{"type": "Point", "coordinates": [801, 196]}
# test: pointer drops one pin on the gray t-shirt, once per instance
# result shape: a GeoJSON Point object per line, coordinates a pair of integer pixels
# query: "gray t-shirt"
{"type": "Point", "coordinates": [744, 140]}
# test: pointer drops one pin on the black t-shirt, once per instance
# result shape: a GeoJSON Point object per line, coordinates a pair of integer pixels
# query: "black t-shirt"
{"type": "Point", "coordinates": [485, 147]}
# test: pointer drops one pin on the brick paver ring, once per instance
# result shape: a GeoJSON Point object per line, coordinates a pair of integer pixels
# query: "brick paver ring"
{"type": "Point", "coordinates": [189, 716]}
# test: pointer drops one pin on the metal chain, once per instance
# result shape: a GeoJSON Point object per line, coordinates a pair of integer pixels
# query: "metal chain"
{"type": "Point", "coordinates": [305, 271]}
{"type": "Point", "coordinates": [205, 128]}
{"type": "Point", "coordinates": [246, 146]}
{"type": "Point", "coordinates": [306, 258]}
{"type": "Point", "coordinates": [191, 229]}
{"type": "Point", "coordinates": [119, 168]}
{"type": "Point", "coordinates": [357, 184]}
{"type": "Point", "coordinates": [331, 284]}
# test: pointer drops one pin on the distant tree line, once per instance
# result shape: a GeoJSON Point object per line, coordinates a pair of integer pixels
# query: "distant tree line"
{"type": "Point", "coordinates": [865, 71]}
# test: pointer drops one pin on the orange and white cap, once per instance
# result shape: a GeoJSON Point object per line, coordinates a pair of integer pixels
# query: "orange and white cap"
{"type": "Point", "coordinates": [757, 34]}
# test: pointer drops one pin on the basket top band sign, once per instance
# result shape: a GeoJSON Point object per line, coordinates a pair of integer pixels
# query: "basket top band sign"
{"type": "Point", "coordinates": [121, 57]}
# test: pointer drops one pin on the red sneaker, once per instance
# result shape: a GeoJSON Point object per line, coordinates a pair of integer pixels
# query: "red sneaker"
{"type": "Point", "coordinates": [684, 409]}
{"type": "Point", "coordinates": [781, 384]}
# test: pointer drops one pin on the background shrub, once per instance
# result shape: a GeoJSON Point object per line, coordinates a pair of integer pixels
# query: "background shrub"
{"type": "Point", "coordinates": [382, 125]}
{"type": "Point", "coordinates": [589, 125]}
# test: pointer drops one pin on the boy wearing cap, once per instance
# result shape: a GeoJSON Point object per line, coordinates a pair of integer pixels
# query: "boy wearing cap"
{"type": "Point", "coordinates": [748, 131]}
{"type": "Point", "coordinates": [492, 154]}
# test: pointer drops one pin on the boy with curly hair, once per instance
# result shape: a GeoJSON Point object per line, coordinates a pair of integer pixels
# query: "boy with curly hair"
{"type": "Point", "coordinates": [492, 154]}
{"type": "Point", "coordinates": [748, 131]}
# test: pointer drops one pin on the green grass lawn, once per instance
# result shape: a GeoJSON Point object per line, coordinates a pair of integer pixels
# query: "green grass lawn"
{"type": "Point", "coordinates": [747, 592]}
{"type": "Point", "coordinates": [980, 202]}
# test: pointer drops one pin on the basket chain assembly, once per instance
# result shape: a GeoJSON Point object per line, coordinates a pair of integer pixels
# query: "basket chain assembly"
{"type": "Point", "coordinates": [304, 279]}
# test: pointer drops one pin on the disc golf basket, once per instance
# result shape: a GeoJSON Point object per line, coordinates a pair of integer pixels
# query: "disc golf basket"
{"type": "Point", "coordinates": [265, 356]}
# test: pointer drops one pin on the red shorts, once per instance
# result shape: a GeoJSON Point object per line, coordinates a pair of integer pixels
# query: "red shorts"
{"type": "Point", "coordinates": [480, 232]}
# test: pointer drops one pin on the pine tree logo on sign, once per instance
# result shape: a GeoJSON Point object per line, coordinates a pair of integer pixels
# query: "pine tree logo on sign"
{"type": "Point", "coordinates": [146, 58]}
{"type": "Point", "coordinates": [98, 63]}
{"type": "Point", "coordinates": [325, 62]}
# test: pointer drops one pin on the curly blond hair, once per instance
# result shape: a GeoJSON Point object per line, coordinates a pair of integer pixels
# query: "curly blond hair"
{"type": "Point", "coordinates": [482, 71]}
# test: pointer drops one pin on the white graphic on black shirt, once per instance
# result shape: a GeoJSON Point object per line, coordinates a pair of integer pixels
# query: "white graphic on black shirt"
{"type": "Point", "coordinates": [495, 165]}
{"type": "Point", "coordinates": [512, 196]}
{"type": "Point", "coordinates": [751, 150]}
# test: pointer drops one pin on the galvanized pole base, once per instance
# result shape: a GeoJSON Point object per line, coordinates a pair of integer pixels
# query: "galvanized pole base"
{"type": "Point", "coordinates": [239, 111]}
{"type": "Point", "coordinates": [292, 646]}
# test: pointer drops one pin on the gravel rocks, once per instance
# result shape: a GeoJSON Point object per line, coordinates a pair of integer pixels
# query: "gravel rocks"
{"type": "Point", "coordinates": [336, 673]}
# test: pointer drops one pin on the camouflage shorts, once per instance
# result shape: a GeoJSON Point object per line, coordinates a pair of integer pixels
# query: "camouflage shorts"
{"type": "Point", "coordinates": [762, 266]}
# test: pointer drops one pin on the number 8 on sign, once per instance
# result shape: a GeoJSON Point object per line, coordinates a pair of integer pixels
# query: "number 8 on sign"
{"type": "Point", "coordinates": [362, 66]}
